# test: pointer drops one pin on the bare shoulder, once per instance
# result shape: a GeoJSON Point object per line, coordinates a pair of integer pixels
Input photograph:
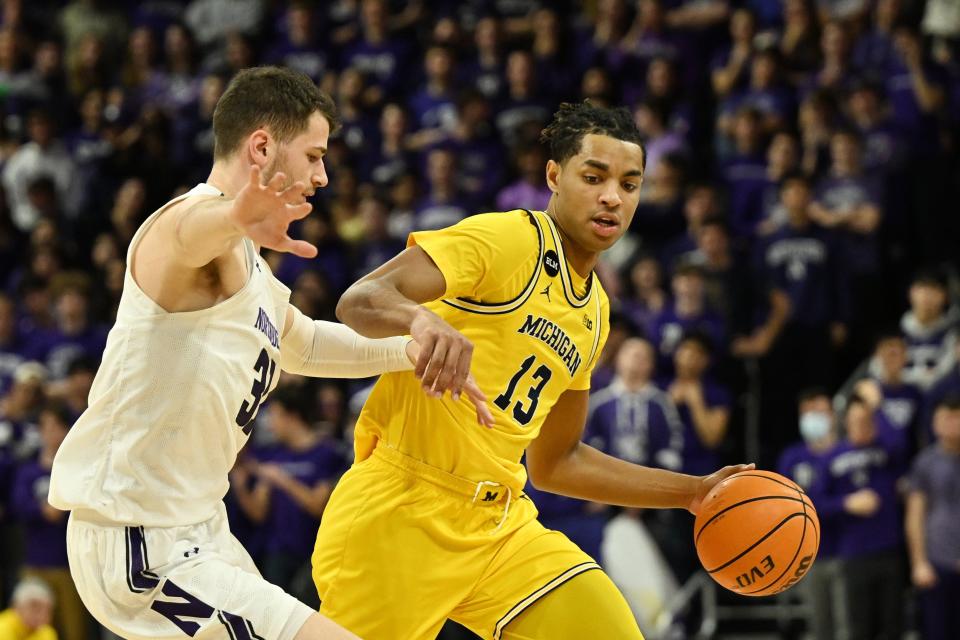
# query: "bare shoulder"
{"type": "Point", "coordinates": [169, 282]}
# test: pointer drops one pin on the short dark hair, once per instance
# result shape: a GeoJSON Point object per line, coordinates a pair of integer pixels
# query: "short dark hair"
{"type": "Point", "coordinates": [277, 99]}
{"type": "Point", "coordinates": [795, 176]}
{"type": "Point", "coordinates": [930, 276]}
{"type": "Point", "coordinates": [950, 402]}
{"type": "Point", "coordinates": [886, 334]}
{"type": "Point", "coordinates": [60, 411]}
{"type": "Point", "coordinates": [572, 121]}
{"type": "Point", "coordinates": [293, 400]}
{"type": "Point", "coordinates": [810, 393]}
{"type": "Point", "coordinates": [699, 338]}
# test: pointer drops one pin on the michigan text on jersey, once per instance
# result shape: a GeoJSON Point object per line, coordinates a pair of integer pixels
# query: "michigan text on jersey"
{"type": "Point", "coordinates": [555, 338]}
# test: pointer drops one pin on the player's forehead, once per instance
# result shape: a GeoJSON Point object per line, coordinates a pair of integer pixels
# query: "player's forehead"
{"type": "Point", "coordinates": [315, 135]}
{"type": "Point", "coordinates": [606, 153]}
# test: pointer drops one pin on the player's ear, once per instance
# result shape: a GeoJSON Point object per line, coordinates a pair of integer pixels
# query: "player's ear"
{"type": "Point", "coordinates": [553, 175]}
{"type": "Point", "coordinates": [260, 147]}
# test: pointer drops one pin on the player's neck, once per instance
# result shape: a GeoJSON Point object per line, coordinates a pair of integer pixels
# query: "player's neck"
{"type": "Point", "coordinates": [581, 260]}
{"type": "Point", "coordinates": [228, 176]}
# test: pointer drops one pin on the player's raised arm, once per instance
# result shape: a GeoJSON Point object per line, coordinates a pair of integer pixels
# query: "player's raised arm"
{"type": "Point", "coordinates": [558, 462]}
{"type": "Point", "coordinates": [388, 302]}
{"type": "Point", "coordinates": [199, 231]}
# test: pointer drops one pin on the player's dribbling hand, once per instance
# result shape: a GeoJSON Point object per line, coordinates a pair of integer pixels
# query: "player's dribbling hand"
{"type": "Point", "coordinates": [712, 480]}
{"type": "Point", "coordinates": [263, 213]}
{"type": "Point", "coordinates": [445, 354]}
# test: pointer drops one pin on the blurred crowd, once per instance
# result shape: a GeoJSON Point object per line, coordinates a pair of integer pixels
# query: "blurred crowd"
{"type": "Point", "coordinates": [787, 289]}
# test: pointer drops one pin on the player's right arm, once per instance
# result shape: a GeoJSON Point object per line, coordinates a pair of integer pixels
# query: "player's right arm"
{"type": "Point", "coordinates": [468, 259]}
{"type": "Point", "coordinates": [203, 230]}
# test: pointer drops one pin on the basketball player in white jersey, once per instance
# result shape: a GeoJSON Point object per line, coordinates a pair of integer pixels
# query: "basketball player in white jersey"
{"type": "Point", "coordinates": [201, 331]}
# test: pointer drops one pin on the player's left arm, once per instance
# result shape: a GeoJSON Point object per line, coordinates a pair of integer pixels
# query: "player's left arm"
{"type": "Point", "coordinates": [559, 462]}
{"type": "Point", "coordinates": [331, 350]}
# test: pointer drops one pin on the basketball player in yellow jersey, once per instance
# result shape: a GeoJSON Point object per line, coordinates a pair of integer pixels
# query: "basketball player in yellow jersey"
{"type": "Point", "coordinates": [431, 521]}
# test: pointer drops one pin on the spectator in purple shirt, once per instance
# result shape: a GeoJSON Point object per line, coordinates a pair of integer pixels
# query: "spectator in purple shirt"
{"type": "Point", "coordinates": [433, 106]}
{"type": "Point", "coordinates": [873, 52]}
{"type": "Point", "coordinates": [766, 92]}
{"type": "Point", "coordinates": [76, 334]}
{"type": "Point", "coordinates": [358, 128]}
{"type": "Point", "coordinates": [14, 348]}
{"type": "Point", "coordinates": [933, 525]}
{"type": "Point", "coordinates": [632, 419]}
{"type": "Point", "coordinates": [649, 37]}
{"type": "Point", "coordinates": [745, 172]}
{"type": "Point", "coordinates": [652, 117]}
{"type": "Point", "coordinates": [294, 480]}
{"type": "Point", "coordinates": [900, 401]}
{"type": "Point", "coordinates": [799, 41]}
{"type": "Point", "coordinates": [883, 145]}
{"type": "Point", "coordinates": [804, 463]}
{"type": "Point", "coordinates": [861, 491]}
{"type": "Point", "coordinates": [729, 66]}
{"type": "Point", "coordinates": [478, 148]}
{"type": "Point", "coordinates": [783, 159]}
{"type": "Point", "coordinates": [301, 47]}
{"type": "Point", "coordinates": [800, 260]}
{"type": "Point", "coordinates": [485, 71]}
{"type": "Point", "coordinates": [930, 327]}
{"type": "Point", "coordinates": [551, 58]}
{"type": "Point", "coordinates": [523, 109]}
{"type": "Point", "coordinates": [382, 58]}
{"type": "Point", "coordinates": [384, 162]}
{"type": "Point", "coordinates": [45, 528]}
{"type": "Point", "coordinates": [644, 297]}
{"type": "Point", "coordinates": [701, 202]}
{"type": "Point", "coordinates": [835, 71]}
{"type": "Point", "coordinates": [686, 312]}
{"type": "Point", "coordinates": [703, 405]}
{"type": "Point", "coordinates": [444, 203]}
{"type": "Point", "coordinates": [529, 191]}
{"type": "Point", "coordinates": [850, 202]}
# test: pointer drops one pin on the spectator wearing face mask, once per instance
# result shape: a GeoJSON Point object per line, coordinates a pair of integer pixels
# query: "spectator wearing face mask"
{"type": "Point", "coordinates": [861, 490]}
{"type": "Point", "coordinates": [804, 463]}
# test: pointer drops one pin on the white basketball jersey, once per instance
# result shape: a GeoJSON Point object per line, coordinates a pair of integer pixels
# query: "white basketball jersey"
{"type": "Point", "coordinates": [173, 401]}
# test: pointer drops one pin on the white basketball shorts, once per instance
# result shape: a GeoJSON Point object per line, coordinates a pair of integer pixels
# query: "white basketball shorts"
{"type": "Point", "coordinates": [177, 582]}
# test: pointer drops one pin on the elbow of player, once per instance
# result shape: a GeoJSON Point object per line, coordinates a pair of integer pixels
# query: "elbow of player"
{"type": "Point", "coordinates": [346, 305]}
{"type": "Point", "coordinates": [540, 477]}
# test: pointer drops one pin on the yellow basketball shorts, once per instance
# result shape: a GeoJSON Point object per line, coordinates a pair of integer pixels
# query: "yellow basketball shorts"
{"type": "Point", "coordinates": [403, 546]}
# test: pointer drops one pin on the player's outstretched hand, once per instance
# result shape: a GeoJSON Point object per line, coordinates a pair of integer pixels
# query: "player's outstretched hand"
{"type": "Point", "coordinates": [712, 480]}
{"type": "Point", "coordinates": [445, 354]}
{"type": "Point", "coordinates": [263, 213]}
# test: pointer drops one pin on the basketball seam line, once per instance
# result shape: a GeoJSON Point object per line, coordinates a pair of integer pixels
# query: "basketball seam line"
{"type": "Point", "coordinates": [782, 484]}
{"type": "Point", "coordinates": [803, 535]}
{"type": "Point", "coordinates": [749, 500]}
{"type": "Point", "coordinates": [754, 545]}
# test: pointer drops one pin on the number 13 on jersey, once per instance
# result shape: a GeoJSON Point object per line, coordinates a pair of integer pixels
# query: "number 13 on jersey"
{"type": "Point", "coordinates": [523, 415]}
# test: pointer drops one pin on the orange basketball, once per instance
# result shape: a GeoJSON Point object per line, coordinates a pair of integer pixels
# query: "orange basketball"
{"type": "Point", "coordinates": [757, 533]}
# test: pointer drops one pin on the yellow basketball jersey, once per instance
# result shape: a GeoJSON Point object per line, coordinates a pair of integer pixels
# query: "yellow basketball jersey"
{"type": "Point", "coordinates": [537, 328]}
